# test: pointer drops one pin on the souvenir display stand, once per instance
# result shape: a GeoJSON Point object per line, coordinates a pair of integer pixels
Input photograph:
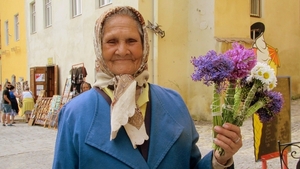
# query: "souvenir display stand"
{"type": "Point", "coordinates": [46, 109]}
{"type": "Point", "coordinates": [36, 107]}
{"type": "Point", "coordinates": [53, 111]}
{"type": "Point", "coordinates": [42, 110]}
{"type": "Point", "coordinates": [66, 95]}
{"type": "Point", "coordinates": [57, 102]}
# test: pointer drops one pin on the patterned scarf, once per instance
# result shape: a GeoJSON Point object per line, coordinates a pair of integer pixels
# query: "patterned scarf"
{"type": "Point", "coordinates": [127, 88]}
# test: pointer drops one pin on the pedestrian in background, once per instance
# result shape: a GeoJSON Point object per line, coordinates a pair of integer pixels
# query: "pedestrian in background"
{"type": "Point", "coordinates": [85, 86]}
{"type": "Point", "coordinates": [126, 122]}
{"type": "Point", "coordinates": [28, 103]}
{"type": "Point", "coordinates": [6, 105]}
{"type": "Point", "coordinates": [1, 102]}
{"type": "Point", "coordinates": [14, 103]}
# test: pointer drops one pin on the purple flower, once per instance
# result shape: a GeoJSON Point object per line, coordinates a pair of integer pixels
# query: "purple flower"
{"type": "Point", "coordinates": [274, 103]}
{"type": "Point", "coordinates": [212, 68]}
{"type": "Point", "coordinates": [244, 60]}
{"type": "Point", "coordinates": [264, 115]}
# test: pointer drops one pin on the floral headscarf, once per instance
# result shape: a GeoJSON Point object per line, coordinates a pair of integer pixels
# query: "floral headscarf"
{"type": "Point", "coordinates": [127, 88]}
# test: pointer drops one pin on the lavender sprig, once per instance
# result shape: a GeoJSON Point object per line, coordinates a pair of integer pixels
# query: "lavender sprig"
{"type": "Point", "coordinates": [212, 68]}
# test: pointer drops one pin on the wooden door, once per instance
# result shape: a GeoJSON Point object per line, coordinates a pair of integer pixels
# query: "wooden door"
{"type": "Point", "coordinates": [38, 80]}
{"type": "Point", "coordinates": [44, 78]}
{"type": "Point", "coordinates": [56, 82]}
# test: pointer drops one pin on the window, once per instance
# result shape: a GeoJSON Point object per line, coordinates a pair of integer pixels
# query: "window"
{"type": "Point", "coordinates": [48, 13]}
{"type": "Point", "coordinates": [255, 8]}
{"type": "Point", "coordinates": [6, 33]}
{"type": "Point", "coordinates": [17, 29]}
{"type": "Point", "coordinates": [33, 17]}
{"type": "Point", "coordinates": [76, 7]}
{"type": "Point", "coordinates": [104, 2]}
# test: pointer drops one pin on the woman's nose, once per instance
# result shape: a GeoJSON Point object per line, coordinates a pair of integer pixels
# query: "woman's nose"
{"type": "Point", "coordinates": [122, 49]}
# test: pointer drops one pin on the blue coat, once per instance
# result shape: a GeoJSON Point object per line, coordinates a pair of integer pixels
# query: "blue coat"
{"type": "Point", "coordinates": [83, 137]}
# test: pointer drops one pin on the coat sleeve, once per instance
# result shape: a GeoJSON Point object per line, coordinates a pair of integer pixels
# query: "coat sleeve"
{"type": "Point", "coordinates": [65, 152]}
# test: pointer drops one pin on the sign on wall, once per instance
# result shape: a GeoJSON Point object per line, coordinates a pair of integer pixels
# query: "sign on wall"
{"type": "Point", "coordinates": [40, 77]}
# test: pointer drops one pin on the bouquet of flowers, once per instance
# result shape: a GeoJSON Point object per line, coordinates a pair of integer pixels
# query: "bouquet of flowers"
{"type": "Point", "coordinates": [247, 85]}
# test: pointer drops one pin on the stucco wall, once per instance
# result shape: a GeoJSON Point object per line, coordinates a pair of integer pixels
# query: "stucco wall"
{"type": "Point", "coordinates": [232, 19]}
{"type": "Point", "coordinates": [282, 26]}
{"type": "Point", "coordinates": [190, 30]}
{"type": "Point", "coordinates": [201, 27]}
{"type": "Point", "coordinates": [68, 41]}
{"type": "Point", "coordinates": [15, 61]}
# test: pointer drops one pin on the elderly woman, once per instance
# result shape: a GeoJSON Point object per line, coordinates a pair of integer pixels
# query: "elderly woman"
{"type": "Point", "coordinates": [125, 122]}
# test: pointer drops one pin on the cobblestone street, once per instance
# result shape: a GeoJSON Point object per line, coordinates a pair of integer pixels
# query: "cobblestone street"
{"type": "Point", "coordinates": [23, 146]}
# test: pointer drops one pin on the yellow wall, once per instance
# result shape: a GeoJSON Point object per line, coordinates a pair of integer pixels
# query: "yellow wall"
{"type": "Point", "coordinates": [13, 63]}
{"type": "Point", "coordinates": [172, 53]}
{"type": "Point", "coordinates": [232, 19]}
{"type": "Point", "coordinates": [169, 59]}
{"type": "Point", "coordinates": [146, 9]}
{"type": "Point", "coordinates": [191, 28]}
{"type": "Point", "coordinates": [282, 26]}
{"type": "Point", "coordinates": [282, 30]}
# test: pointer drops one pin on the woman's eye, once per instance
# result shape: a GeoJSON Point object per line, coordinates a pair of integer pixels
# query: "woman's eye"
{"type": "Point", "coordinates": [131, 40]}
{"type": "Point", "coordinates": [111, 41]}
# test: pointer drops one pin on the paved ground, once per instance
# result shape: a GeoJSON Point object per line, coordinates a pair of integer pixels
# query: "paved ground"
{"type": "Point", "coordinates": [23, 146]}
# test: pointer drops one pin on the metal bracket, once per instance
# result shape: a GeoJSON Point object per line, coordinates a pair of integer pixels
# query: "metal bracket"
{"type": "Point", "coordinates": [156, 29]}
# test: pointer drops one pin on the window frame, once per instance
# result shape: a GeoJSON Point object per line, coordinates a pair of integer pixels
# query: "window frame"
{"type": "Point", "coordinates": [48, 13]}
{"type": "Point", "coordinates": [17, 27]}
{"type": "Point", "coordinates": [104, 3]}
{"type": "Point", "coordinates": [255, 8]}
{"type": "Point", "coordinates": [33, 17]}
{"type": "Point", "coordinates": [76, 8]}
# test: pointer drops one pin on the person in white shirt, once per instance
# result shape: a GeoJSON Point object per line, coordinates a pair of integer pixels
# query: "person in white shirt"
{"type": "Point", "coordinates": [28, 103]}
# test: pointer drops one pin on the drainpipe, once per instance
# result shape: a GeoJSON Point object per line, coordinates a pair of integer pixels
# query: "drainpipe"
{"type": "Point", "coordinates": [155, 42]}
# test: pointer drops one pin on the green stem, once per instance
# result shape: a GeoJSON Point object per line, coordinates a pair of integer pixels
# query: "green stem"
{"type": "Point", "coordinates": [250, 96]}
{"type": "Point", "coordinates": [228, 108]}
{"type": "Point", "coordinates": [259, 104]}
{"type": "Point", "coordinates": [239, 120]}
{"type": "Point", "coordinates": [237, 100]}
{"type": "Point", "coordinates": [228, 111]}
{"type": "Point", "coordinates": [247, 111]}
{"type": "Point", "coordinates": [216, 111]}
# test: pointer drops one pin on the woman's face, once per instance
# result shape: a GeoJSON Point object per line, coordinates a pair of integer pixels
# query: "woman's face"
{"type": "Point", "coordinates": [122, 48]}
{"type": "Point", "coordinates": [85, 87]}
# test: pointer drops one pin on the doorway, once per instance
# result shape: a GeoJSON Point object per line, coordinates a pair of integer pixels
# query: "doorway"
{"type": "Point", "coordinates": [44, 78]}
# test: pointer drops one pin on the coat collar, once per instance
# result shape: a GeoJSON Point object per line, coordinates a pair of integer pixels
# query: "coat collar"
{"type": "Point", "coordinates": [161, 141]}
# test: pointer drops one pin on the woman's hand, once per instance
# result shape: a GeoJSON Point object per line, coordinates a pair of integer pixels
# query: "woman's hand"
{"type": "Point", "coordinates": [230, 139]}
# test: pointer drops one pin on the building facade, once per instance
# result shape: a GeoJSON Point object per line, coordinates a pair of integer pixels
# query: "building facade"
{"type": "Point", "coordinates": [62, 32]}
{"type": "Point", "coordinates": [13, 49]}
